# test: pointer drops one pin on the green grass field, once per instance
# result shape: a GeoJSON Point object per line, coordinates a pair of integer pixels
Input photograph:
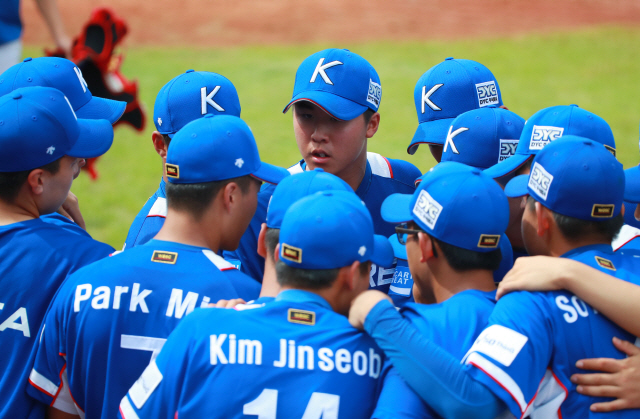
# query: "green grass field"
{"type": "Point", "coordinates": [596, 68]}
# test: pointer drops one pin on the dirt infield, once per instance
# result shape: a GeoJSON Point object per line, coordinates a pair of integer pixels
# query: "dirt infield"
{"type": "Point", "coordinates": [228, 22]}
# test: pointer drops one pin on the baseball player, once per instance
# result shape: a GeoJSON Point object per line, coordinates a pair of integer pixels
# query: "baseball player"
{"type": "Point", "coordinates": [11, 30]}
{"type": "Point", "coordinates": [541, 129]}
{"type": "Point", "coordinates": [294, 357]}
{"type": "Point", "coordinates": [288, 192]}
{"type": "Point", "coordinates": [524, 359]}
{"type": "Point", "coordinates": [445, 91]}
{"type": "Point", "coordinates": [111, 318]}
{"type": "Point", "coordinates": [335, 103]}
{"type": "Point", "coordinates": [452, 226]}
{"type": "Point", "coordinates": [628, 237]}
{"type": "Point", "coordinates": [43, 143]}
{"type": "Point", "coordinates": [185, 98]}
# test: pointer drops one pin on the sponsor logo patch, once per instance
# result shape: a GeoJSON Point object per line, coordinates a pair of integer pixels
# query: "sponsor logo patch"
{"type": "Point", "coordinates": [291, 253]}
{"type": "Point", "coordinates": [602, 211]}
{"type": "Point", "coordinates": [301, 317]}
{"type": "Point", "coordinates": [507, 149]}
{"type": "Point", "coordinates": [375, 93]}
{"type": "Point", "coordinates": [487, 93]}
{"type": "Point", "coordinates": [500, 343]}
{"type": "Point", "coordinates": [173, 170]}
{"type": "Point", "coordinates": [164, 257]}
{"type": "Point", "coordinates": [611, 149]}
{"type": "Point", "coordinates": [540, 181]}
{"type": "Point", "coordinates": [605, 263]}
{"type": "Point", "coordinates": [488, 241]}
{"type": "Point", "coordinates": [427, 209]}
{"type": "Point", "coordinates": [542, 135]}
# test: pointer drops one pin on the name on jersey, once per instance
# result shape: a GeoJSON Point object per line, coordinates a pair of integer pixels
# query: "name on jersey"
{"type": "Point", "coordinates": [229, 349]}
{"type": "Point", "coordinates": [487, 93]}
{"type": "Point", "coordinates": [121, 298]}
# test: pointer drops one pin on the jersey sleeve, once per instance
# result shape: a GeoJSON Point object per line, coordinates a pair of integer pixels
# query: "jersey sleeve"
{"type": "Point", "coordinates": [398, 401]}
{"type": "Point", "coordinates": [404, 171]}
{"type": "Point", "coordinates": [512, 354]}
{"type": "Point", "coordinates": [48, 378]}
{"type": "Point", "coordinates": [158, 391]}
{"type": "Point", "coordinates": [248, 288]}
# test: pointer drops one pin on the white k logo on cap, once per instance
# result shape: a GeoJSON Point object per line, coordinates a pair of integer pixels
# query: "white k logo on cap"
{"type": "Point", "coordinates": [426, 97]}
{"type": "Point", "coordinates": [207, 99]}
{"type": "Point", "coordinates": [320, 69]}
{"type": "Point", "coordinates": [451, 136]}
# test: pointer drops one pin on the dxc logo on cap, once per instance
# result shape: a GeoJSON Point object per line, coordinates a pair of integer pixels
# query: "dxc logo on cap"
{"type": "Point", "coordinates": [540, 181]}
{"type": "Point", "coordinates": [375, 93]}
{"type": "Point", "coordinates": [541, 136]}
{"type": "Point", "coordinates": [427, 209]}
{"type": "Point", "coordinates": [487, 93]}
{"type": "Point", "coordinates": [507, 149]}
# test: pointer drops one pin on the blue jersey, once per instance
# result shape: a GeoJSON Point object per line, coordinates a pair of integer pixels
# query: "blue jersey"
{"type": "Point", "coordinates": [291, 358]}
{"type": "Point", "coordinates": [454, 325]}
{"type": "Point", "coordinates": [10, 24]}
{"type": "Point", "coordinates": [109, 319]}
{"type": "Point", "coordinates": [528, 352]}
{"type": "Point", "coordinates": [35, 258]}
{"type": "Point", "coordinates": [149, 220]}
{"type": "Point", "coordinates": [382, 178]}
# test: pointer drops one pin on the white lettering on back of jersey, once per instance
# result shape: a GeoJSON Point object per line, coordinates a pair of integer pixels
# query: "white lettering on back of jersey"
{"type": "Point", "coordinates": [572, 309]}
{"type": "Point", "coordinates": [240, 351]}
{"type": "Point", "coordinates": [83, 292]}
{"type": "Point", "coordinates": [180, 306]}
{"type": "Point", "coordinates": [12, 321]}
{"type": "Point", "coordinates": [102, 298]}
{"type": "Point", "coordinates": [137, 299]}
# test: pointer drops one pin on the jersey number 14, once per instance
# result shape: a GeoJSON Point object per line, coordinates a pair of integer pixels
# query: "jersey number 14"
{"type": "Point", "coordinates": [320, 406]}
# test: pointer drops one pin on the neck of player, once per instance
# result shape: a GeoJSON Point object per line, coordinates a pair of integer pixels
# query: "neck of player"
{"type": "Point", "coordinates": [447, 282]}
{"type": "Point", "coordinates": [181, 227]}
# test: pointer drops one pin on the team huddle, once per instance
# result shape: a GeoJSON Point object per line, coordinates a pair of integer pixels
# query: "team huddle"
{"type": "Point", "coordinates": [349, 285]}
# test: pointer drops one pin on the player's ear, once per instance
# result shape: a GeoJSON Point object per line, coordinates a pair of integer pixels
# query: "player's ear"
{"type": "Point", "coordinates": [36, 180]}
{"type": "Point", "coordinates": [544, 217]}
{"type": "Point", "coordinates": [373, 125]}
{"type": "Point", "coordinates": [230, 195]}
{"type": "Point", "coordinates": [353, 275]}
{"type": "Point", "coordinates": [262, 245]}
{"type": "Point", "coordinates": [159, 144]}
{"type": "Point", "coordinates": [276, 253]}
{"type": "Point", "coordinates": [426, 247]}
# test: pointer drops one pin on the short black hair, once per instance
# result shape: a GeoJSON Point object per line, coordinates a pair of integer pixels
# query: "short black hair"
{"type": "Point", "coordinates": [271, 239]}
{"type": "Point", "coordinates": [194, 198]}
{"type": "Point", "coordinates": [576, 229]}
{"type": "Point", "coordinates": [466, 260]}
{"type": "Point", "coordinates": [11, 182]}
{"type": "Point", "coordinates": [367, 115]}
{"type": "Point", "coordinates": [313, 279]}
{"type": "Point", "coordinates": [166, 139]}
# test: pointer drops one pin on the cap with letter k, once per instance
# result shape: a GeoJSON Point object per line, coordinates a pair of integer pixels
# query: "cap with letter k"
{"type": "Point", "coordinates": [576, 177]}
{"type": "Point", "coordinates": [445, 91]}
{"type": "Point", "coordinates": [192, 95]}
{"type": "Point", "coordinates": [64, 75]}
{"type": "Point", "coordinates": [549, 124]}
{"type": "Point", "coordinates": [340, 82]}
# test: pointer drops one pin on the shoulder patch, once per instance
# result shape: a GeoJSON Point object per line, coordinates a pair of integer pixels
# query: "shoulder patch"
{"type": "Point", "coordinates": [605, 263]}
{"type": "Point", "coordinates": [602, 210]}
{"type": "Point", "coordinates": [173, 170]}
{"type": "Point", "coordinates": [489, 241]}
{"type": "Point", "coordinates": [164, 257]}
{"type": "Point", "coordinates": [294, 254]}
{"type": "Point", "coordinates": [301, 317]}
{"type": "Point", "coordinates": [380, 166]}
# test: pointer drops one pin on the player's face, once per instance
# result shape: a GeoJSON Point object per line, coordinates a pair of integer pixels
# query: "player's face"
{"type": "Point", "coordinates": [419, 270]}
{"type": "Point", "coordinates": [436, 151]}
{"type": "Point", "coordinates": [338, 147]}
{"type": "Point", "coordinates": [516, 210]}
{"type": "Point", "coordinates": [58, 185]}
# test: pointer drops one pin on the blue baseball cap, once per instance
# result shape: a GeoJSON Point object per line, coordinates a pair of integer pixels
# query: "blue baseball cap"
{"type": "Point", "coordinates": [38, 126]}
{"type": "Point", "coordinates": [576, 177]}
{"type": "Point", "coordinates": [210, 149]}
{"type": "Point", "coordinates": [457, 204]}
{"type": "Point", "coordinates": [483, 137]}
{"type": "Point", "coordinates": [295, 187]}
{"type": "Point", "coordinates": [445, 91]}
{"type": "Point", "coordinates": [190, 96]}
{"type": "Point", "coordinates": [339, 81]}
{"type": "Point", "coordinates": [329, 230]}
{"type": "Point", "coordinates": [65, 76]}
{"type": "Point", "coordinates": [632, 185]}
{"type": "Point", "coordinates": [548, 125]}
{"type": "Point", "coordinates": [399, 250]}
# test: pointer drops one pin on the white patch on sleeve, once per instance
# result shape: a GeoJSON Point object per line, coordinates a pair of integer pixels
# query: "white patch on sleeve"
{"type": "Point", "coordinates": [220, 263]}
{"type": "Point", "coordinates": [499, 376]}
{"type": "Point", "coordinates": [146, 384]}
{"type": "Point", "coordinates": [379, 165]}
{"type": "Point", "coordinates": [159, 208]}
{"type": "Point", "coordinates": [43, 383]}
{"type": "Point", "coordinates": [500, 343]}
{"type": "Point", "coordinates": [127, 410]}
